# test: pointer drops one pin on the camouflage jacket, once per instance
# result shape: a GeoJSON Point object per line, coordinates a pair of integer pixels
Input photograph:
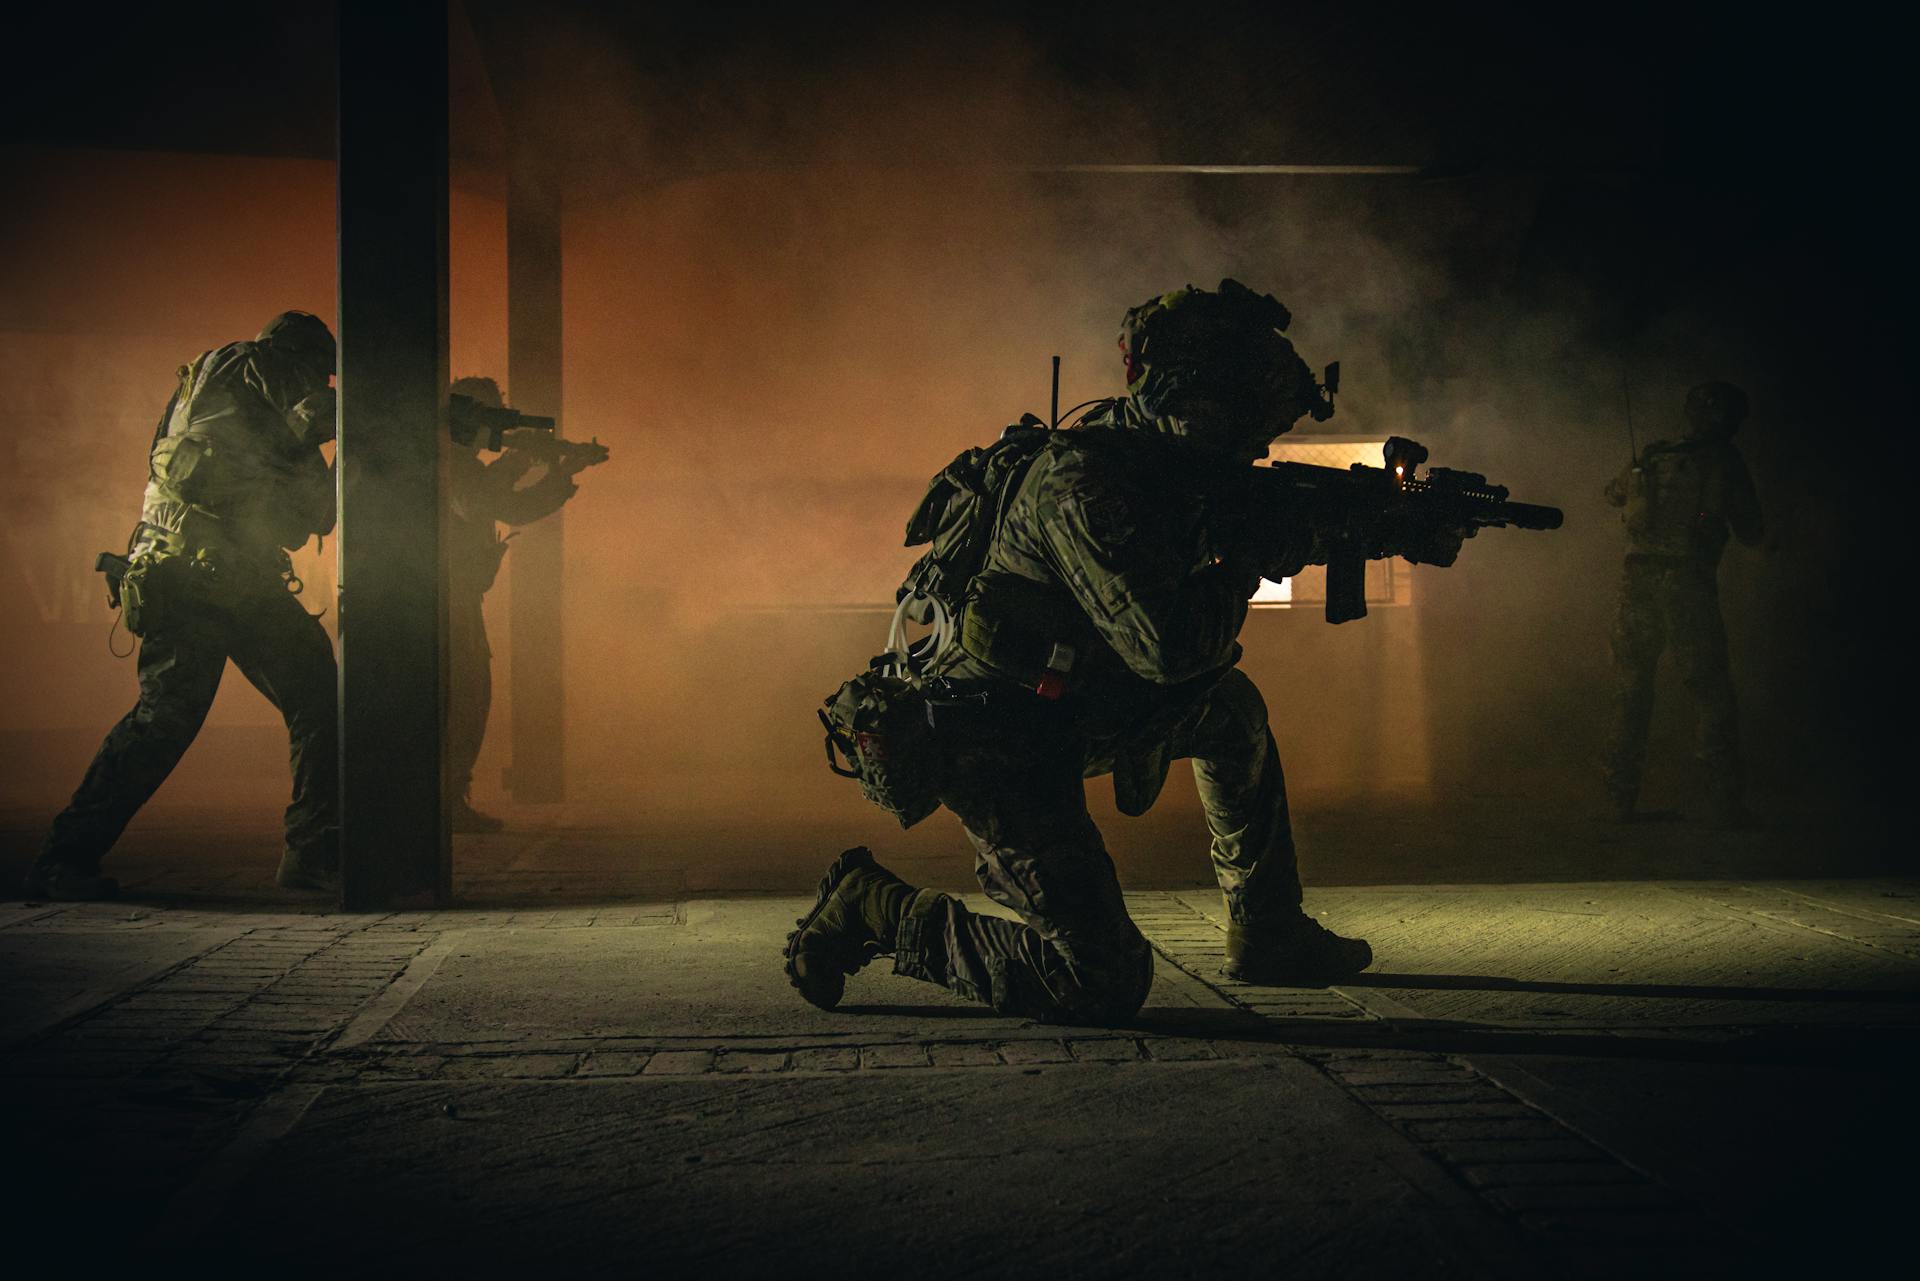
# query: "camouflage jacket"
{"type": "Point", "coordinates": [1683, 497]}
{"type": "Point", "coordinates": [1112, 557]}
{"type": "Point", "coordinates": [236, 466]}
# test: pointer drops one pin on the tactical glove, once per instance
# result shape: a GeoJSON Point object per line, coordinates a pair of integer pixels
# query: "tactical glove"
{"type": "Point", "coordinates": [1429, 546]}
{"type": "Point", "coordinates": [312, 420]}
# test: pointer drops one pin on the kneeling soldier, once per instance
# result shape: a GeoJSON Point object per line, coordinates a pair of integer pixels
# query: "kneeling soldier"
{"type": "Point", "coordinates": [1098, 636]}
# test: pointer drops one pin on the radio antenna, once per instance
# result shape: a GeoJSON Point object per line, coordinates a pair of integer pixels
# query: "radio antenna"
{"type": "Point", "coordinates": [1054, 421]}
{"type": "Point", "coordinates": [1626, 393]}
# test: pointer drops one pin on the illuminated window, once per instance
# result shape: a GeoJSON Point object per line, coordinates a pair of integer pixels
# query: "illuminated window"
{"type": "Point", "coordinates": [1388, 581]}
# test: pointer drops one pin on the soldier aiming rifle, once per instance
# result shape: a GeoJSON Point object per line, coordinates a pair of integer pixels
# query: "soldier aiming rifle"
{"type": "Point", "coordinates": [1085, 589]}
{"type": "Point", "coordinates": [482, 496]}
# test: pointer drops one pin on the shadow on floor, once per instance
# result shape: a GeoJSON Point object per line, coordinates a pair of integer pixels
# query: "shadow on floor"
{"type": "Point", "coordinates": [1885, 1048]}
{"type": "Point", "coordinates": [1675, 991]}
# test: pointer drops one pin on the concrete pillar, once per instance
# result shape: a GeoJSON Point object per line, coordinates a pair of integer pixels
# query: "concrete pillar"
{"type": "Point", "coordinates": [538, 769]}
{"type": "Point", "coordinates": [392, 467]}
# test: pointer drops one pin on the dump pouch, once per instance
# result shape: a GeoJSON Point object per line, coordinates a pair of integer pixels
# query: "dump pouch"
{"type": "Point", "coordinates": [880, 733]}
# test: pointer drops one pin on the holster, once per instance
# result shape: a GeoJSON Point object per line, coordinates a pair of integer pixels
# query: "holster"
{"type": "Point", "coordinates": [159, 581]}
{"type": "Point", "coordinates": [114, 566]}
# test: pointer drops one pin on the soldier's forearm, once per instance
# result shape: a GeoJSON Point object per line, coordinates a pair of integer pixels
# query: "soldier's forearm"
{"type": "Point", "coordinates": [538, 501]}
{"type": "Point", "coordinates": [1190, 631]}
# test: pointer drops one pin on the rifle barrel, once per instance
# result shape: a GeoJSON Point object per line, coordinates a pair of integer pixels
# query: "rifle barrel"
{"type": "Point", "coordinates": [1533, 516]}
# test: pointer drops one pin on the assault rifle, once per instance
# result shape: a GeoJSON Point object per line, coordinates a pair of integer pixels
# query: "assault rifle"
{"type": "Point", "coordinates": [468, 420]}
{"type": "Point", "coordinates": [562, 455]}
{"type": "Point", "coordinates": [1369, 513]}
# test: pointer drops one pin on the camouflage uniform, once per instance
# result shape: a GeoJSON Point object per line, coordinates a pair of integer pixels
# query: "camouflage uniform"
{"type": "Point", "coordinates": [235, 478]}
{"type": "Point", "coordinates": [1681, 500]}
{"type": "Point", "coordinates": [1098, 636]}
{"type": "Point", "coordinates": [482, 496]}
{"type": "Point", "coordinates": [1109, 547]}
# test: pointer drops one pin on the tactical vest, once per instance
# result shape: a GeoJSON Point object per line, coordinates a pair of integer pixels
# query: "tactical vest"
{"type": "Point", "coordinates": [1027, 632]}
{"type": "Point", "coordinates": [219, 464]}
{"type": "Point", "coordinates": [1670, 503]}
{"type": "Point", "coordinates": [182, 466]}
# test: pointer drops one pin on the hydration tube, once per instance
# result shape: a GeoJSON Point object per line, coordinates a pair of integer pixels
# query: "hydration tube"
{"type": "Point", "coordinates": [909, 661]}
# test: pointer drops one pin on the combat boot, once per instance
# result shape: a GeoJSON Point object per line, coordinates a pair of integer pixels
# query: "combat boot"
{"type": "Point", "coordinates": [1293, 953]}
{"type": "Point", "coordinates": [319, 873]}
{"type": "Point", "coordinates": [468, 820]}
{"type": "Point", "coordinates": [64, 882]}
{"type": "Point", "coordinates": [855, 919]}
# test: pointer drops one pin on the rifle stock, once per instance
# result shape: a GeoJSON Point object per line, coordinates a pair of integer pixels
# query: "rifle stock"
{"type": "Point", "coordinates": [468, 420]}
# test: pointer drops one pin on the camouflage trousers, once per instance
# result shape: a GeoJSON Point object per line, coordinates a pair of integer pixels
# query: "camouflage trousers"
{"type": "Point", "coordinates": [1672, 603]}
{"type": "Point", "coordinates": [1075, 955]}
{"type": "Point", "coordinates": [285, 653]}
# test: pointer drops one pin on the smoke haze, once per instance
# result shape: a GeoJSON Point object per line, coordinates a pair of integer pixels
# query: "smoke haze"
{"type": "Point", "coordinates": [793, 295]}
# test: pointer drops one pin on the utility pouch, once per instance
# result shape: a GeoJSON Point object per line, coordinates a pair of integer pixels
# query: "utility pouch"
{"type": "Point", "coordinates": [1027, 632]}
{"type": "Point", "coordinates": [880, 733]}
{"type": "Point", "coordinates": [140, 604]}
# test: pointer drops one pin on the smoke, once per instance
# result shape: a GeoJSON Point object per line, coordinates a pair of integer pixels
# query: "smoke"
{"type": "Point", "coordinates": [795, 288]}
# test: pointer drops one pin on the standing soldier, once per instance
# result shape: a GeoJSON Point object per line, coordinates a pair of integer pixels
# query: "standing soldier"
{"type": "Point", "coordinates": [236, 479]}
{"type": "Point", "coordinates": [1681, 500]}
{"type": "Point", "coordinates": [483, 496]}
{"type": "Point", "coordinates": [1099, 637]}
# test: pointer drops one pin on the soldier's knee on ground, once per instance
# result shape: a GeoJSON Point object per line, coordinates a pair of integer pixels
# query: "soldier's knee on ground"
{"type": "Point", "coordinates": [1103, 988]}
{"type": "Point", "coordinates": [1114, 995]}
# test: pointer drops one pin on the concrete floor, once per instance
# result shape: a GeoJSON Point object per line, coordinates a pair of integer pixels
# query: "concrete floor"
{"type": "Point", "coordinates": [1587, 1079]}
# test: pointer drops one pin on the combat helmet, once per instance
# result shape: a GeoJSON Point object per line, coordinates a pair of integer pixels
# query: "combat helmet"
{"type": "Point", "coordinates": [303, 337]}
{"type": "Point", "coordinates": [1715, 410]}
{"type": "Point", "coordinates": [482, 390]}
{"type": "Point", "coordinates": [1219, 356]}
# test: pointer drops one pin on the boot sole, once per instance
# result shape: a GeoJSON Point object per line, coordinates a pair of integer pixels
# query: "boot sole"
{"type": "Point", "coordinates": [106, 890]}
{"type": "Point", "coordinates": [1289, 978]}
{"type": "Point", "coordinates": [302, 885]}
{"type": "Point", "coordinates": [1280, 974]}
{"type": "Point", "coordinates": [823, 990]}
